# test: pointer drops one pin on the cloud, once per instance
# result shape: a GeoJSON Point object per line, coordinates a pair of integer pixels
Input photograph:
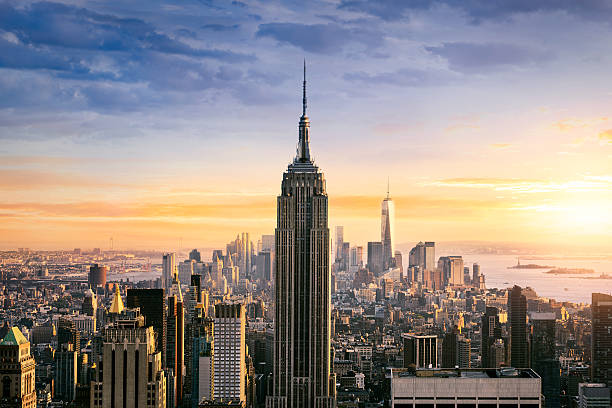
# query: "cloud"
{"type": "Point", "coordinates": [319, 38]}
{"type": "Point", "coordinates": [65, 26]}
{"type": "Point", "coordinates": [606, 136]}
{"type": "Point", "coordinates": [587, 183]}
{"type": "Point", "coordinates": [473, 58]}
{"type": "Point", "coordinates": [404, 77]}
{"type": "Point", "coordinates": [480, 10]}
{"type": "Point", "coordinates": [501, 146]}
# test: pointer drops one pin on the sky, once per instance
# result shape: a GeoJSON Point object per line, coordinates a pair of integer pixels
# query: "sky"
{"type": "Point", "coordinates": [167, 124]}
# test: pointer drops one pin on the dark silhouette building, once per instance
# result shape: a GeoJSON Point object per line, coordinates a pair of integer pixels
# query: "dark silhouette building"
{"type": "Point", "coordinates": [490, 332]}
{"type": "Point", "coordinates": [601, 341]}
{"type": "Point", "coordinates": [543, 359]}
{"type": "Point", "coordinates": [152, 304]}
{"type": "Point", "coordinates": [517, 319]}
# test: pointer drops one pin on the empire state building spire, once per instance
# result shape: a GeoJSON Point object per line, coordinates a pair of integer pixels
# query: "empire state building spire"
{"type": "Point", "coordinates": [303, 150]}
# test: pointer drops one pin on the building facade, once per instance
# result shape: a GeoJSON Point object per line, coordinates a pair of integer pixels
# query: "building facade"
{"type": "Point", "coordinates": [601, 340]}
{"type": "Point", "coordinates": [302, 376]}
{"type": "Point", "coordinates": [17, 371]}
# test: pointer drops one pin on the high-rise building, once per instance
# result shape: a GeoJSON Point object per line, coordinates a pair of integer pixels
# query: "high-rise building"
{"type": "Point", "coordinates": [375, 258]}
{"type": "Point", "coordinates": [66, 361]}
{"type": "Point", "coordinates": [152, 304]}
{"type": "Point", "coordinates": [175, 343]}
{"type": "Point", "coordinates": [168, 269]}
{"type": "Point", "coordinates": [456, 350]}
{"type": "Point", "coordinates": [130, 373]}
{"type": "Point", "coordinates": [339, 242]}
{"type": "Point", "coordinates": [229, 353]}
{"type": "Point", "coordinates": [452, 270]}
{"type": "Point", "coordinates": [356, 257]}
{"type": "Point", "coordinates": [195, 255]}
{"type": "Point", "coordinates": [387, 229]}
{"type": "Point", "coordinates": [423, 255]}
{"type": "Point", "coordinates": [89, 306]}
{"type": "Point", "coordinates": [476, 275]}
{"type": "Point", "coordinates": [490, 330]}
{"type": "Point", "coordinates": [202, 374]}
{"type": "Point", "coordinates": [302, 375]}
{"type": "Point", "coordinates": [601, 340]}
{"type": "Point", "coordinates": [420, 350]}
{"type": "Point", "coordinates": [543, 359]}
{"type": "Point", "coordinates": [17, 369]}
{"type": "Point", "coordinates": [517, 319]}
{"type": "Point", "coordinates": [97, 275]}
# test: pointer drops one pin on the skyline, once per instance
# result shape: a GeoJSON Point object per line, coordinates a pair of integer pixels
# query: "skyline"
{"type": "Point", "coordinates": [505, 140]}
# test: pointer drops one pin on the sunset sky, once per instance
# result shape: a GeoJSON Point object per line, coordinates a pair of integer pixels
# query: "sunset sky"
{"type": "Point", "coordinates": [152, 122]}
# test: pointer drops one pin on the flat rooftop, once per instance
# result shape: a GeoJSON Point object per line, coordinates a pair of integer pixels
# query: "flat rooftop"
{"type": "Point", "coordinates": [505, 372]}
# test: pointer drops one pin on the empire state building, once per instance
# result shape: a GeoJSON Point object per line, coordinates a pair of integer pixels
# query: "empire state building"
{"type": "Point", "coordinates": [302, 376]}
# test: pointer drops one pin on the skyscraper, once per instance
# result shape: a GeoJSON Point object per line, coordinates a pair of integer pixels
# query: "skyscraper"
{"type": "Point", "coordinates": [517, 318]}
{"type": "Point", "coordinates": [17, 370]}
{"type": "Point", "coordinates": [130, 373]}
{"type": "Point", "coordinates": [229, 355]}
{"type": "Point", "coordinates": [375, 258]}
{"type": "Point", "coordinates": [387, 228]}
{"type": "Point", "coordinates": [302, 376]}
{"type": "Point", "coordinates": [168, 269]}
{"type": "Point", "coordinates": [601, 358]}
{"type": "Point", "coordinates": [97, 275]}
{"type": "Point", "coordinates": [152, 304]}
{"type": "Point", "coordinates": [543, 361]}
{"type": "Point", "coordinates": [490, 331]}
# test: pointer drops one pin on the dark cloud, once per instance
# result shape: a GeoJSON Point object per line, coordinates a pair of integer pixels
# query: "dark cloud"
{"type": "Point", "coordinates": [221, 27]}
{"type": "Point", "coordinates": [472, 57]}
{"type": "Point", "coordinates": [319, 38]}
{"type": "Point", "coordinates": [479, 10]}
{"type": "Point", "coordinates": [404, 77]}
{"type": "Point", "coordinates": [60, 25]}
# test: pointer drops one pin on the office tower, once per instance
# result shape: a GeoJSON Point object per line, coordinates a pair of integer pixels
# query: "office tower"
{"type": "Point", "coordinates": [601, 340]}
{"type": "Point", "coordinates": [67, 334]}
{"type": "Point", "coordinates": [473, 388]}
{"type": "Point", "coordinates": [543, 359]}
{"type": "Point", "coordinates": [476, 275]}
{"type": "Point", "coordinates": [456, 350]}
{"type": "Point", "coordinates": [202, 378]}
{"type": "Point", "coordinates": [420, 350]}
{"type": "Point", "coordinates": [97, 275]}
{"type": "Point", "coordinates": [423, 255]}
{"type": "Point", "coordinates": [490, 330]}
{"type": "Point", "coordinates": [152, 304]}
{"type": "Point", "coordinates": [90, 304]}
{"type": "Point", "coordinates": [591, 395]}
{"type": "Point", "coordinates": [66, 362]}
{"type": "Point", "coordinates": [398, 260]}
{"type": "Point", "coordinates": [185, 270]}
{"type": "Point", "coordinates": [387, 229]}
{"type": "Point", "coordinates": [356, 257]}
{"type": "Point", "coordinates": [517, 319]}
{"type": "Point", "coordinates": [339, 242]}
{"type": "Point", "coordinates": [130, 373]}
{"type": "Point", "coordinates": [264, 265]}
{"type": "Point", "coordinates": [229, 353]}
{"type": "Point", "coordinates": [449, 348]}
{"type": "Point", "coordinates": [452, 270]}
{"type": "Point", "coordinates": [17, 370]}
{"type": "Point", "coordinates": [175, 342]}
{"type": "Point", "coordinates": [194, 255]}
{"type": "Point", "coordinates": [302, 376]}
{"type": "Point", "coordinates": [375, 258]}
{"type": "Point", "coordinates": [267, 243]}
{"type": "Point", "coordinates": [168, 269]}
